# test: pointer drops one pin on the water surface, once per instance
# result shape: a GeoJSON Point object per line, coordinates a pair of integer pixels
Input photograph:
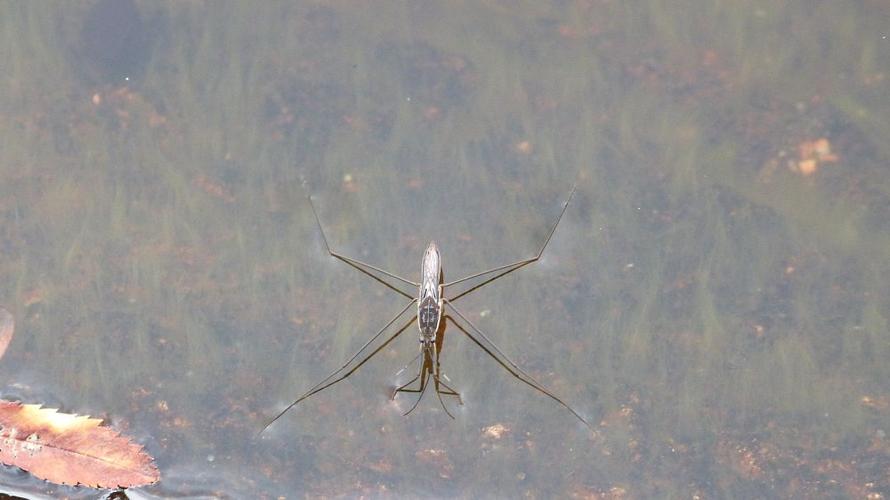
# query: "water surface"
{"type": "Point", "coordinates": [715, 301]}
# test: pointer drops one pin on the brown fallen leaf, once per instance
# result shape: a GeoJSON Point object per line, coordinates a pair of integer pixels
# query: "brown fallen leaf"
{"type": "Point", "coordinates": [7, 328]}
{"type": "Point", "coordinates": [71, 449]}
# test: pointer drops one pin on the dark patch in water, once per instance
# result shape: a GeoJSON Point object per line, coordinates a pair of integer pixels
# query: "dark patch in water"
{"type": "Point", "coordinates": [115, 42]}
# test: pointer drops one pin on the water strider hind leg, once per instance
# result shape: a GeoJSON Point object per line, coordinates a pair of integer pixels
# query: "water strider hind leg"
{"type": "Point", "coordinates": [363, 266]}
{"type": "Point", "coordinates": [509, 268]}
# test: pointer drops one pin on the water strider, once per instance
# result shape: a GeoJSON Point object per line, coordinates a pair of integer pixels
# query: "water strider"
{"type": "Point", "coordinates": [431, 318]}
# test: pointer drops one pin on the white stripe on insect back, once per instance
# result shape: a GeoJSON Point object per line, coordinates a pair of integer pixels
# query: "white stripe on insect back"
{"type": "Point", "coordinates": [432, 266]}
{"type": "Point", "coordinates": [429, 308]}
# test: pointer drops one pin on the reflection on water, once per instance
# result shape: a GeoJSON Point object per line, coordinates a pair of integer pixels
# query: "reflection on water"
{"type": "Point", "coordinates": [715, 302]}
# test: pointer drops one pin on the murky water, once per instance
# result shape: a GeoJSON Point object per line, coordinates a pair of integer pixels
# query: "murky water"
{"type": "Point", "coordinates": [715, 301]}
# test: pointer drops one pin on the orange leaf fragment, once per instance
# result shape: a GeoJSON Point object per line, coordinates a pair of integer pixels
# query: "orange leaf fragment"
{"type": "Point", "coordinates": [213, 188]}
{"type": "Point", "coordinates": [812, 155]}
{"type": "Point", "coordinates": [7, 328]}
{"type": "Point", "coordinates": [71, 449]}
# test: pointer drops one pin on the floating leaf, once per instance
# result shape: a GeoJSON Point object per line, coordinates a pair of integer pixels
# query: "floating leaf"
{"type": "Point", "coordinates": [7, 327]}
{"type": "Point", "coordinates": [71, 449]}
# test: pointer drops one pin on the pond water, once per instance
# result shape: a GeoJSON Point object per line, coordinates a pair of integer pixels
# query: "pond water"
{"type": "Point", "coordinates": [714, 301]}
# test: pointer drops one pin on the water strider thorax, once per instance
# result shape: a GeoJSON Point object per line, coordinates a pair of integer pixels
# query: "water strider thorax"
{"type": "Point", "coordinates": [429, 302]}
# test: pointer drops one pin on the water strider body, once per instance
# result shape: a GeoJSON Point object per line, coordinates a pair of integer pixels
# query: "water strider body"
{"type": "Point", "coordinates": [431, 318]}
{"type": "Point", "coordinates": [429, 302]}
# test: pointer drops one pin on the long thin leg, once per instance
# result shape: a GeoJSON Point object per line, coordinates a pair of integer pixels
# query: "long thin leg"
{"type": "Point", "coordinates": [326, 382]}
{"type": "Point", "coordinates": [357, 366]}
{"type": "Point", "coordinates": [424, 368]}
{"type": "Point", "coordinates": [439, 375]}
{"type": "Point", "coordinates": [423, 385]}
{"type": "Point", "coordinates": [361, 266]}
{"type": "Point", "coordinates": [494, 346]}
{"type": "Point", "coordinates": [480, 285]}
{"type": "Point", "coordinates": [508, 364]}
{"type": "Point", "coordinates": [402, 387]}
{"type": "Point", "coordinates": [363, 347]}
{"type": "Point", "coordinates": [450, 391]}
{"type": "Point", "coordinates": [520, 263]}
{"type": "Point", "coordinates": [436, 381]}
{"type": "Point", "coordinates": [429, 367]}
{"type": "Point", "coordinates": [408, 364]}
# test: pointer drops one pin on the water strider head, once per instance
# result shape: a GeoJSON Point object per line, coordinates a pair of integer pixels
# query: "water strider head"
{"type": "Point", "coordinates": [429, 301]}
